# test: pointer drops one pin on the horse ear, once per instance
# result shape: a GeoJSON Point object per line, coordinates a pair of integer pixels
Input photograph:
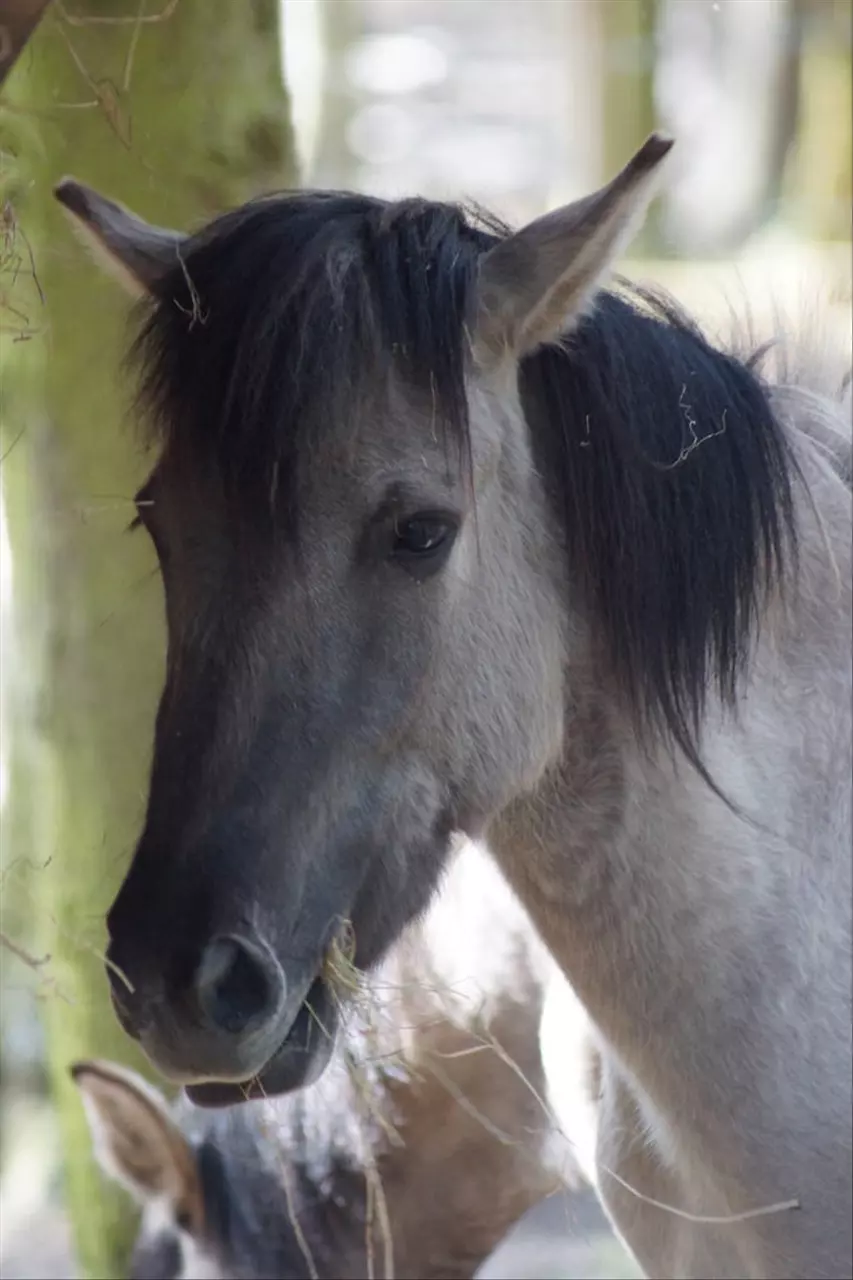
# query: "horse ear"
{"type": "Point", "coordinates": [138, 254]}
{"type": "Point", "coordinates": [136, 1141]}
{"type": "Point", "coordinates": [535, 283]}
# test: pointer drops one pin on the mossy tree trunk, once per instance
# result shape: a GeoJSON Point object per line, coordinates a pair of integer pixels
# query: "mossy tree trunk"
{"type": "Point", "coordinates": [18, 21]}
{"type": "Point", "coordinates": [628, 53]}
{"type": "Point", "coordinates": [334, 164]}
{"type": "Point", "coordinates": [190, 116]}
{"type": "Point", "coordinates": [819, 178]}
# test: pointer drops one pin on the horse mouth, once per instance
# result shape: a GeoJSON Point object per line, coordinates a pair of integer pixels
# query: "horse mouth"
{"type": "Point", "coordinates": [300, 1059]}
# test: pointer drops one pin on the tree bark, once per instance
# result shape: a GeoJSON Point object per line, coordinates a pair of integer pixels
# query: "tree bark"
{"type": "Point", "coordinates": [334, 163]}
{"type": "Point", "coordinates": [189, 117]}
{"type": "Point", "coordinates": [18, 21]}
{"type": "Point", "coordinates": [627, 35]}
{"type": "Point", "coordinates": [818, 181]}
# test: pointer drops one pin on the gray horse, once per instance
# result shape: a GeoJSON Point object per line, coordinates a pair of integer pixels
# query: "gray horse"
{"type": "Point", "coordinates": [455, 538]}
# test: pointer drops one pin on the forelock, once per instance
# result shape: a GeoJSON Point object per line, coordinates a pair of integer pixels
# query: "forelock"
{"type": "Point", "coordinates": [285, 315]}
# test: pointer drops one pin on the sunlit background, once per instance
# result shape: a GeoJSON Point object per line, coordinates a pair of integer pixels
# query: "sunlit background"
{"type": "Point", "coordinates": [518, 105]}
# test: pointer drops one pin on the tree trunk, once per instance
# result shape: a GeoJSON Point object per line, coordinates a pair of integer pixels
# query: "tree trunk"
{"type": "Point", "coordinates": [627, 41]}
{"type": "Point", "coordinates": [18, 21]}
{"type": "Point", "coordinates": [819, 178]}
{"type": "Point", "coordinates": [334, 163]}
{"type": "Point", "coordinates": [188, 116]}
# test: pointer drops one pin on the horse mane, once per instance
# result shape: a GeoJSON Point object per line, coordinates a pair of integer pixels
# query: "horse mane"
{"type": "Point", "coordinates": [671, 476]}
{"type": "Point", "coordinates": [674, 489]}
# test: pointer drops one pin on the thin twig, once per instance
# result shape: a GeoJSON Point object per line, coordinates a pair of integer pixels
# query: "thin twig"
{"type": "Point", "coordinates": [294, 1222]}
{"type": "Point", "coordinates": [293, 1217]}
{"type": "Point", "coordinates": [196, 312]}
{"type": "Point", "coordinates": [695, 439]}
{"type": "Point", "coordinates": [33, 962]}
{"type": "Point", "coordinates": [9, 449]}
{"type": "Point", "coordinates": [368, 1226]}
{"type": "Point", "coordinates": [114, 20]}
{"type": "Point", "coordinates": [97, 952]}
{"type": "Point", "coordinates": [108, 96]}
{"type": "Point", "coordinates": [131, 48]}
{"type": "Point", "coordinates": [49, 984]}
{"type": "Point", "coordinates": [782, 1206]}
{"type": "Point", "coordinates": [466, 1104]}
{"type": "Point", "coordinates": [487, 1040]}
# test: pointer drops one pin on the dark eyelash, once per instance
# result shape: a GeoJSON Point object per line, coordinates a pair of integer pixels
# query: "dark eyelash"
{"type": "Point", "coordinates": [136, 523]}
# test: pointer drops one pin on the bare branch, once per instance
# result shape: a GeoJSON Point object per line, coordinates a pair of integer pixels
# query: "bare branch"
{"type": "Point", "coordinates": [31, 961]}
{"type": "Point", "coordinates": [115, 20]}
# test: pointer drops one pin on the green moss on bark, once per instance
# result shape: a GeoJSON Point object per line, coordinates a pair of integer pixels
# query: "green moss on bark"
{"type": "Point", "coordinates": [191, 121]}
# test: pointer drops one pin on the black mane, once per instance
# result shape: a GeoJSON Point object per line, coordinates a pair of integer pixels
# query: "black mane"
{"type": "Point", "coordinates": [670, 476]}
{"type": "Point", "coordinates": [675, 493]}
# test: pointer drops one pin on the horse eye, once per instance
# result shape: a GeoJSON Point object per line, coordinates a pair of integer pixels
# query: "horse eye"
{"type": "Point", "coordinates": [421, 537]}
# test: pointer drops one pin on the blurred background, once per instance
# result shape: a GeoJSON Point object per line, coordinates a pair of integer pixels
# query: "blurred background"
{"type": "Point", "coordinates": [181, 108]}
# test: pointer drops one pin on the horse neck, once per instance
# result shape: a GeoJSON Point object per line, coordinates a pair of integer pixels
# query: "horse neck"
{"type": "Point", "coordinates": [644, 885]}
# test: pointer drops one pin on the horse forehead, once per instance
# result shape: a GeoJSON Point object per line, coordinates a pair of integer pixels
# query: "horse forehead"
{"type": "Point", "coordinates": [396, 445]}
{"type": "Point", "coordinates": [494, 411]}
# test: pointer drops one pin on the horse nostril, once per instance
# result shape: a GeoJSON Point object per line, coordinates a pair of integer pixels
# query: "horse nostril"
{"type": "Point", "coordinates": [236, 984]}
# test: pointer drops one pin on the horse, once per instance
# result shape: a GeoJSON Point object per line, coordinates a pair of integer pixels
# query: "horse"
{"type": "Point", "coordinates": [420, 1146]}
{"type": "Point", "coordinates": [461, 533]}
